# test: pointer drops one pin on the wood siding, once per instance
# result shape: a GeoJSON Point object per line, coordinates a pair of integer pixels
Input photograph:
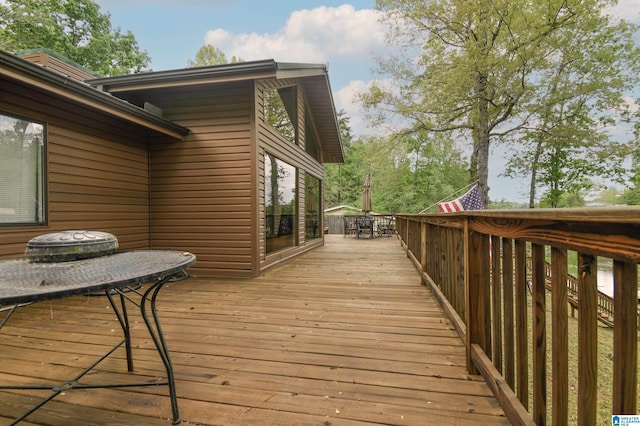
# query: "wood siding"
{"type": "Point", "coordinates": [271, 141]}
{"type": "Point", "coordinates": [59, 65]}
{"type": "Point", "coordinates": [97, 172]}
{"type": "Point", "coordinates": [202, 193]}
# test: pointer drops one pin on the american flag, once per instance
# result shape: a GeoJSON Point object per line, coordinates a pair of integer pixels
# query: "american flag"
{"type": "Point", "coordinates": [472, 200]}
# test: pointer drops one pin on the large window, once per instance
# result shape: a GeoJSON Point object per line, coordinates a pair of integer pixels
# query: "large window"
{"type": "Point", "coordinates": [312, 207]}
{"type": "Point", "coordinates": [21, 171]}
{"type": "Point", "coordinates": [281, 111]}
{"type": "Point", "coordinates": [280, 201]}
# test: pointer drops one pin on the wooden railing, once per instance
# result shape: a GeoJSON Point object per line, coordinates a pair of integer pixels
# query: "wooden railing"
{"type": "Point", "coordinates": [477, 265]}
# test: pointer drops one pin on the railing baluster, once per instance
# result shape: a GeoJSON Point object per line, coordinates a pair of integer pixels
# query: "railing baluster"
{"type": "Point", "coordinates": [587, 339]}
{"type": "Point", "coordinates": [625, 337]}
{"type": "Point", "coordinates": [539, 334]}
{"type": "Point", "coordinates": [509, 324]}
{"type": "Point", "coordinates": [458, 284]}
{"type": "Point", "coordinates": [522, 353]}
{"type": "Point", "coordinates": [496, 298]}
{"type": "Point", "coordinates": [560, 337]}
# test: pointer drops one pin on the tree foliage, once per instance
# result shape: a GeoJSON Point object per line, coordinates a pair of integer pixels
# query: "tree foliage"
{"type": "Point", "coordinates": [211, 55]}
{"type": "Point", "coordinates": [578, 98]}
{"type": "Point", "coordinates": [486, 70]}
{"type": "Point", "coordinates": [408, 174]}
{"type": "Point", "coordinates": [75, 29]}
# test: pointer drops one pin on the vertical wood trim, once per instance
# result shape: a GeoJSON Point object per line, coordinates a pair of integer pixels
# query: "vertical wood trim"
{"type": "Point", "coordinates": [507, 303]}
{"type": "Point", "coordinates": [257, 174]}
{"type": "Point", "coordinates": [522, 353]}
{"type": "Point", "coordinates": [587, 339]}
{"type": "Point", "coordinates": [539, 334]}
{"type": "Point", "coordinates": [496, 290]}
{"type": "Point", "coordinates": [625, 338]}
{"type": "Point", "coordinates": [560, 337]}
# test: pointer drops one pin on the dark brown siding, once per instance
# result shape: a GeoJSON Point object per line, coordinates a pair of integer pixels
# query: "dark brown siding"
{"type": "Point", "coordinates": [58, 65]}
{"type": "Point", "coordinates": [97, 172]}
{"type": "Point", "coordinates": [202, 194]}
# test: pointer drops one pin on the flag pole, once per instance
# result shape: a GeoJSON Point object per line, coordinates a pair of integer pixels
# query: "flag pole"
{"type": "Point", "coordinates": [449, 196]}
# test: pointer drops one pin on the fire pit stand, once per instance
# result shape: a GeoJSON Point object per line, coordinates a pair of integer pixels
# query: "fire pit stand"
{"type": "Point", "coordinates": [34, 280]}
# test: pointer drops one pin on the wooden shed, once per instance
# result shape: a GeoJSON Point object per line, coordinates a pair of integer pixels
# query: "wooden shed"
{"type": "Point", "coordinates": [223, 161]}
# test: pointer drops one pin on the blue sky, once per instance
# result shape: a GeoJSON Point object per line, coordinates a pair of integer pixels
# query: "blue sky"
{"type": "Point", "coordinates": [345, 35]}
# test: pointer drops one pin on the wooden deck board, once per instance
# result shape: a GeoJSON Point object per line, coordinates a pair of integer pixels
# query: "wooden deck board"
{"type": "Point", "coordinates": [344, 335]}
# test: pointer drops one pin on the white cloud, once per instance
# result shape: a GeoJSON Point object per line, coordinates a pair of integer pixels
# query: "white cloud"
{"type": "Point", "coordinates": [346, 100]}
{"type": "Point", "coordinates": [317, 35]}
{"type": "Point", "coordinates": [627, 9]}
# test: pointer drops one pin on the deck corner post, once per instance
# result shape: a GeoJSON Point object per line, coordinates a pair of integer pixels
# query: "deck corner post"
{"type": "Point", "coordinates": [423, 247]}
{"type": "Point", "coordinates": [476, 254]}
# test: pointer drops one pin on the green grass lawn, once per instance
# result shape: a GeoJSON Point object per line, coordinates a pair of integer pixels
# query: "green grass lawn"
{"type": "Point", "coordinates": [605, 370]}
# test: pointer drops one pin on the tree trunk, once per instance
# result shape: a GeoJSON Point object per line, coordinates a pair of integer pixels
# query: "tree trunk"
{"type": "Point", "coordinates": [481, 140]}
{"type": "Point", "coordinates": [534, 175]}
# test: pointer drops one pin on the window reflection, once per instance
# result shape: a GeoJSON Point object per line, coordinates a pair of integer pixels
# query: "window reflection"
{"type": "Point", "coordinates": [312, 207]}
{"type": "Point", "coordinates": [280, 198]}
{"type": "Point", "coordinates": [22, 169]}
{"type": "Point", "coordinates": [280, 111]}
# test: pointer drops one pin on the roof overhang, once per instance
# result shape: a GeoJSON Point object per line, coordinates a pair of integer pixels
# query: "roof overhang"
{"type": "Point", "coordinates": [313, 78]}
{"type": "Point", "coordinates": [44, 80]}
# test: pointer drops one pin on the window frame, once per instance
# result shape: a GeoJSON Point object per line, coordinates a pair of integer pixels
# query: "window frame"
{"type": "Point", "coordinates": [269, 248]}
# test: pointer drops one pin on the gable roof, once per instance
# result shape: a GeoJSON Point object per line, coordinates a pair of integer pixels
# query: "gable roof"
{"type": "Point", "coordinates": [60, 85]}
{"type": "Point", "coordinates": [313, 78]}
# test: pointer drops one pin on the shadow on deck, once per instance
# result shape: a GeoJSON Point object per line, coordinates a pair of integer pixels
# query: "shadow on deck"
{"type": "Point", "coordinates": [344, 335]}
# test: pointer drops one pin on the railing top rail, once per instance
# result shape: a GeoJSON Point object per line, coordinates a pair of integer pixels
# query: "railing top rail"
{"type": "Point", "coordinates": [608, 232]}
{"type": "Point", "coordinates": [622, 214]}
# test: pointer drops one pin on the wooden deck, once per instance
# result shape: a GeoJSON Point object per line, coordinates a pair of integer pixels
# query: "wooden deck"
{"type": "Point", "coordinates": [344, 335]}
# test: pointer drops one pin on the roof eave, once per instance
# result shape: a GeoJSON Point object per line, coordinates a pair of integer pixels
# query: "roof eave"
{"type": "Point", "coordinates": [314, 78]}
{"type": "Point", "coordinates": [23, 71]}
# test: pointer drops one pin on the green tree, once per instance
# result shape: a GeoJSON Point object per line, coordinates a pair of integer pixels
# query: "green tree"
{"type": "Point", "coordinates": [594, 63]}
{"type": "Point", "coordinates": [334, 191]}
{"type": "Point", "coordinates": [474, 69]}
{"type": "Point", "coordinates": [408, 173]}
{"type": "Point", "coordinates": [211, 55]}
{"type": "Point", "coordinates": [631, 195]}
{"type": "Point", "coordinates": [75, 29]}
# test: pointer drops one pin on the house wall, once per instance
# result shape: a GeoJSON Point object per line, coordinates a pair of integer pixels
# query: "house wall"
{"type": "Point", "coordinates": [202, 193]}
{"type": "Point", "coordinates": [47, 60]}
{"type": "Point", "coordinates": [97, 172]}
{"type": "Point", "coordinates": [268, 139]}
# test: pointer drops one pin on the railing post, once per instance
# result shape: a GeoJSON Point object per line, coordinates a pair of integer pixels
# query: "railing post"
{"type": "Point", "coordinates": [625, 337]}
{"type": "Point", "coordinates": [423, 247]}
{"type": "Point", "coordinates": [476, 291]}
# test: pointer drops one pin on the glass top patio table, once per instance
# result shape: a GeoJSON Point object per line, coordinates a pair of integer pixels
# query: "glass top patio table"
{"type": "Point", "coordinates": [24, 281]}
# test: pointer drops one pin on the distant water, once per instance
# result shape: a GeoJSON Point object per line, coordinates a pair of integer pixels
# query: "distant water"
{"type": "Point", "coordinates": [605, 280]}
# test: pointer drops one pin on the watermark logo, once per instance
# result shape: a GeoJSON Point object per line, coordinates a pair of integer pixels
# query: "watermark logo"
{"type": "Point", "coordinates": [625, 420]}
